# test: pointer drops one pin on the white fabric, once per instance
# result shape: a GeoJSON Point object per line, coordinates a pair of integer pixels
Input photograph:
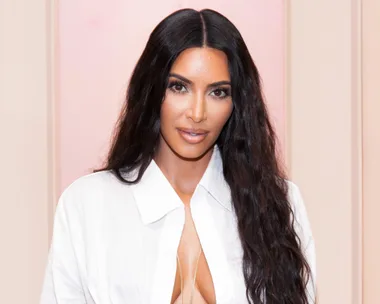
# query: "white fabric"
{"type": "Point", "coordinates": [117, 243]}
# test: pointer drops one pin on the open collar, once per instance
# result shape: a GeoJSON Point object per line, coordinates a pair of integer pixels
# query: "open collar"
{"type": "Point", "coordinates": [155, 196]}
{"type": "Point", "coordinates": [213, 180]}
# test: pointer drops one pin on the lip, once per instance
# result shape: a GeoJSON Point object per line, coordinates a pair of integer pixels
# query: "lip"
{"type": "Point", "coordinates": [192, 136]}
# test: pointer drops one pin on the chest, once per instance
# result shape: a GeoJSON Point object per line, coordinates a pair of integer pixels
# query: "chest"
{"type": "Point", "coordinates": [128, 260]}
{"type": "Point", "coordinates": [193, 280]}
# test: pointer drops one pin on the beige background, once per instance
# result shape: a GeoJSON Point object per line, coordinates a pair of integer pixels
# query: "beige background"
{"type": "Point", "coordinates": [325, 136]}
{"type": "Point", "coordinates": [371, 151]}
{"type": "Point", "coordinates": [333, 141]}
{"type": "Point", "coordinates": [333, 93]}
{"type": "Point", "coordinates": [26, 148]}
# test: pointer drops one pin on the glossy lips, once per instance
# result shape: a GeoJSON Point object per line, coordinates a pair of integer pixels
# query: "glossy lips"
{"type": "Point", "coordinates": [193, 136]}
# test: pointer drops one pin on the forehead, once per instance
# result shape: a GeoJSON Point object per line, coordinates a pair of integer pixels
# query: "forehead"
{"type": "Point", "coordinates": [204, 63]}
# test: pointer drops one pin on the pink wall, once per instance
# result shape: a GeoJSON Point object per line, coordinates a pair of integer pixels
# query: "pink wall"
{"type": "Point", "coordinates": [99, 43]}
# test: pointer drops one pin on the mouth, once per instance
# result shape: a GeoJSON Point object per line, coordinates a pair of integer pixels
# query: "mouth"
{"type": "Point", "coordinates": [193, 136]}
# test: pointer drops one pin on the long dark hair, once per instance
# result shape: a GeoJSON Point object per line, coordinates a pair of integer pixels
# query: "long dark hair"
{"type": "Point", "coordinates": [273, 264]}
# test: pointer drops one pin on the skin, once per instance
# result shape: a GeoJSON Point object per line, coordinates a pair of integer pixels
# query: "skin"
{"type": "Point", "coordinates": [198, 97]}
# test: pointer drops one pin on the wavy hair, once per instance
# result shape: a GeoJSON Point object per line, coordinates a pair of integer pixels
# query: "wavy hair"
{"type": "Point", "coordinates": [274, 267]}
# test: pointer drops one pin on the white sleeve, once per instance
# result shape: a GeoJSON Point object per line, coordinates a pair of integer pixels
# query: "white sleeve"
{"type": "Point", "coordinates": [303, 230]}
{"type": "Point", "coordinates": [62, 284]}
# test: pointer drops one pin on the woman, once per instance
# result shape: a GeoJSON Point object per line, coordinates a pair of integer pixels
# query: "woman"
{"type": "Point", "coordinates": [192, 205]}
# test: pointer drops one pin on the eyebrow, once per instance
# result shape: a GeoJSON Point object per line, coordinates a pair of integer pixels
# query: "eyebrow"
{"type": "Point", "coordinates": [211, 85]}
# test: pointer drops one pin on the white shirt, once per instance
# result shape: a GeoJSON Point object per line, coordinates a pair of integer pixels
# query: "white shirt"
{"type": "Point", "coordinates": [117, 243]}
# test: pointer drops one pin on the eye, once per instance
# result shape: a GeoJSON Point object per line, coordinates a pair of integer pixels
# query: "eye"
{"type": "Point", "coordinates": [177, 87]}
{"type": "Point", "coordinates": [221, 93]}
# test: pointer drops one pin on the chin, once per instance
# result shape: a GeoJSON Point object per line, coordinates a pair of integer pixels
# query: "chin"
{"type": "Point", "coordinates": [192, 152]}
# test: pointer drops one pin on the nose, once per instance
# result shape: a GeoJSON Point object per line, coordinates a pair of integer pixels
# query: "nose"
{"type": "Point", "coordinates": [197, 109]}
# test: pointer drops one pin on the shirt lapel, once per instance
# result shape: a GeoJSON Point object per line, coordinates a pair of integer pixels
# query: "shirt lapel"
{"type": "Point", "coordinates": [154, 195]}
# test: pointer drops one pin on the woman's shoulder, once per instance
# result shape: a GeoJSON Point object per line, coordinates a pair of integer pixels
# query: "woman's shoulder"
{"type": "Point", "coordinates": [303, 229]}
{"type": "Point", "coordinates": [293, 190]}
{"type": "Point", "coordinates": [295, 196]}
{"type": "Point", "coordinates": [94, 188]}
{"type": "Point", "coordinates": [300, 214]}
{"type": "Point", "coordinates": [92, 182]}
{"type": "Point", "coordinates": [296, 200]}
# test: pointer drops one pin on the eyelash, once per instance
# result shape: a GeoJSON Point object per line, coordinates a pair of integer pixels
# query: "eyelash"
{"type": "Point", "coordinates": [172, 84]}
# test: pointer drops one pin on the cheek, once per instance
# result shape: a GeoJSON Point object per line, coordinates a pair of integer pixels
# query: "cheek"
{"type": "Point", "coordinates": [219, 114]}
{"type": "Point", "coordinates": [171, 109]}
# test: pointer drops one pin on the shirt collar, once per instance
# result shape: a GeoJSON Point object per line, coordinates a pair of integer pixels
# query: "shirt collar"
{"type": "Point", "coordinates": [155, 197]}
{"type": "Point", "coordinates": [214, 183]}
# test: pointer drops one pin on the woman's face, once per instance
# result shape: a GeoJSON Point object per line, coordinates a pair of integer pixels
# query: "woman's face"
{"type": "Point", "coordinates": [197, 103]}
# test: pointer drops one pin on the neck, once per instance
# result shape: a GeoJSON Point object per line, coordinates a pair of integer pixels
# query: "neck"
{"type": "Point", "coordinates": [183, 174]}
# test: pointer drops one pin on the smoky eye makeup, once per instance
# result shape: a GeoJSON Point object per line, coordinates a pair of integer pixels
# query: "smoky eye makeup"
{"type": "Point", "coordinates": [221, 92]}
{"type": "Point", "coordinates": [177, 86]}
